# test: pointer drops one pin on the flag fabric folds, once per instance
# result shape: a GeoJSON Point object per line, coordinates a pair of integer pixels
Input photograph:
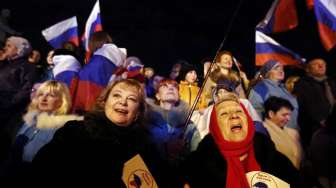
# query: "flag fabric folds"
{"type": "Point", "coordinates": [325, 11]}
{"type": "Point", "coordinates": [96, 75]}
{"type": "Point", "coordinates": [267, 49]}
{"type": "Point", "coordinates": [61, 32]}
{"type": "Point", "coordinates": [66, 67]}
{"type": "Point", "coordinates": [93, 24]}
{"type": "Point", "coordinates": [133, 66]}
{"type": "Point", "coordinates": [281, 17]}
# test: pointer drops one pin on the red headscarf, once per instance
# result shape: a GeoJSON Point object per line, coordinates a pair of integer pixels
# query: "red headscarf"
{"type": "Point", "coordinates": [231, 151]}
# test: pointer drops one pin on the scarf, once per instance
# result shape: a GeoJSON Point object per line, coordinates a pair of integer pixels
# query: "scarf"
{"type": "Point", "coordinates": [285, 142]}
{"type": "Point", "coordinates": [232, 151]}
{"type": "Point", "coordinates": [327, 90]}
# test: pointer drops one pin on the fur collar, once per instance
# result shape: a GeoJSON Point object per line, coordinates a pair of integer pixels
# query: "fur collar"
{"type": "Point", "coordinates": [48, 121]}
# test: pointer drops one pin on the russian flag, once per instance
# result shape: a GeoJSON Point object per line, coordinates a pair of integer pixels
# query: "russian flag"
{"type": "Point", "coordinates": [61, 32]}
{"type": "Point", "coordinates": [96, 75]}
{"type": "Point", "coordinates": [134, 66]}
{"type": "Point", "coordinates": [93, 24]}
{"type": "Point", "coordinates": [325, 11]}
{"type": "Point", "coordinates": [281, 17]}
{"type": "Point", "coordinates": [267, 49]}
{"type": "Point", "coordinates": [66, 68]}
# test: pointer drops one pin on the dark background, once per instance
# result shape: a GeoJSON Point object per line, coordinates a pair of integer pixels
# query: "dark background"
{"type": "Point", "coordinates": [161, 32]}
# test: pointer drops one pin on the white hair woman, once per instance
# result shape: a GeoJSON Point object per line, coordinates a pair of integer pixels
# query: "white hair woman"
{"type": "Point", "coordinates": [233, 148]}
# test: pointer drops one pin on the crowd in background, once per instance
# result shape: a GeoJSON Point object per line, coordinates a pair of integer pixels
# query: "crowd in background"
{"type": "Point", "coordinates": [87, 119]}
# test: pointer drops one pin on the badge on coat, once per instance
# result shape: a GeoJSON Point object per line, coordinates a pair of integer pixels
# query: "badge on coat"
{"type": "Point", "coordinates": [137, 175]}
{"type": "Point", "coordinates": [258, 179]}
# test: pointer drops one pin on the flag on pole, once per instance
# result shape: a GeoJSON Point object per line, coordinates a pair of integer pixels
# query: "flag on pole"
{"type": "Point", "coordinates": [281, 17]}
{"type": "Point", "coordinates": [267, 49]}
{"type": "Point", "coordinates": [61, 32]}
{"type": "Point", "coordinates": [93, 24]}
{"type": "Point", "coordinates": [325, 11]}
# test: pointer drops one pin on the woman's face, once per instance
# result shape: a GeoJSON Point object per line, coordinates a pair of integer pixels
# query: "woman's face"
{"type": "Point", "coordinates": [10, 50]}
{"type": "Point", "coordinates": [232, 121]}
{"type": "Point", "coordinates": [191, 76]}
{"type": "Point", "coordinates": [122, 104]}
{"type": "Point", "coordinates": [226, 61]}
{"type": "Point", "coordinates": [277, 73]}
{"type": "Point", "coordinates": [49, 57]}
{"type": "Point", "coordinates": [48, 101]}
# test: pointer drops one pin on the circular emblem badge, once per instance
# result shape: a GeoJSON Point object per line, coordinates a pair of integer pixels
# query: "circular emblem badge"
{"type": "Point", "coordinates": [263, 180]}
{"type": "Point", "coordinates": [140, 178]}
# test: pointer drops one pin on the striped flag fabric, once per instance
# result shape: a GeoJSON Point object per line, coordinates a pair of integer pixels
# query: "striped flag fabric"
{"type": "Point", "coordinates": [96, 75]}
{"type": "Point", "coordinates": [64, 31]}
{"type": "Point", "coordinates": [281, 17]}
{"type": "Point", "coordinates": [325, 11]}
{"type": "Point", "coordinates": [267, 49]}
{"type": "Point", "coordinates": [93, 24]}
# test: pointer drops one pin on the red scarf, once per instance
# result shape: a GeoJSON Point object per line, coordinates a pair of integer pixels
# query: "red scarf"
{"type": "Point", "coordinates": [231, 151]}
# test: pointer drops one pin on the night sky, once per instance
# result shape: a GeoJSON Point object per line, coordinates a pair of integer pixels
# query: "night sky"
{"type": "Point", "coordinates": [161, 32]}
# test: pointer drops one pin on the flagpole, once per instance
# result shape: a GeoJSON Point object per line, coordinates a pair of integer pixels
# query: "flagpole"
{"type": "Point", "coordinates": [212, 64]}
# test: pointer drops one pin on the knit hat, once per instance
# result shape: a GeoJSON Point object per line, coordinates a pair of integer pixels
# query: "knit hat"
{"type": "Point", "coordinates": [22, 44]}
{"type": "Point", "coordinates": [185, 68]}
{"type": "Point", "coordinates": [268, 66]}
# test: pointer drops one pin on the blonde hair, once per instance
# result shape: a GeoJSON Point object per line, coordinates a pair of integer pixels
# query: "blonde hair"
{"type": "Point", "coordinates": [290, 83]}
{"type": "Point", "coordinates": [59, 89]}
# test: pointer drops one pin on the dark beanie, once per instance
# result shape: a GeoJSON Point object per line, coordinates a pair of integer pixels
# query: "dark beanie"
{"type": "Point", "coordinates": [185, 68]}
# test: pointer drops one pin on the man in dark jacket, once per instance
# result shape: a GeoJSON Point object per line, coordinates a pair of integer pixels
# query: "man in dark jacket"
{"type": "Point", "coordinates": [316, 94]}
{"type": "Point", "coordinates": [17, 77]}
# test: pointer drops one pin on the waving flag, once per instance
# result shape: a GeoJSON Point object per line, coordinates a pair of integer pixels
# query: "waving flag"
{"type": "Point", "coordinates": [281, 17]}
{"type": "Point", "coordinates": [62, 32]}
{"type": "Point", "coordinates": [325, 11]}
{"type": "Point", "coordinates": [267, 49]}
{"type": "Point", "coordinates": [95, 75]}
{"type": "Point", "coordinates": [66, 68]}
{"type": "Point", "coordinates": [93, 24]}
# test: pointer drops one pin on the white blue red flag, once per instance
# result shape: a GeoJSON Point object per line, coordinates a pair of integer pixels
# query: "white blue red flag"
{"type": "Point", "coordinates": [62, 32]}
{"type": "Point", "coordinates": [281, 17]}
{"type": "Point", "coordinates": [133, 66]}
{"type": "Point", "coordinates": [96, 75]}
{"type": "Point", "coordinates": [93, 24]}
{"type": "Point", "coordinates": [325, 11]}
{"type": "Point", "coordinates": [267, 49]}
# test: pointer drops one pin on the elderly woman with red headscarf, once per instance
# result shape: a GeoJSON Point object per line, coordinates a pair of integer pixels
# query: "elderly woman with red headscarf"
{"type": "Point", "coordinates": [233, 148]}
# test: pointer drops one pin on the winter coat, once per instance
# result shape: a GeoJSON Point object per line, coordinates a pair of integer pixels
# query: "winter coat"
{"type": "Point", "coordinates": [267, 88]}
{"type": "Point", "coordinates": [188, 92]}
{"type": "Point", "coordinates": [92, 153]}
{"type": "Point", "coordinates": [314, 105]}
{"type": "Point", "coordinates": [16, 81]}
{"type": "Point", "coordinates": [172, 139]}
{"type": "Point", "coordinates": [206, 167]}
{"type": "Point", "coordinates": [38, 130]}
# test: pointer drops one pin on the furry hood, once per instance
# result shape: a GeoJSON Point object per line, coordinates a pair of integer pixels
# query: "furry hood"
{"type": "Point", "coordinates": [48, 121]}
{"type": "Point", "coordinates": [175, 117]}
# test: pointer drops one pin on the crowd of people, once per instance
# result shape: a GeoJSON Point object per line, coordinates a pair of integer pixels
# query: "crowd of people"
{"type": "Point", "coordinates": [82, 122]}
